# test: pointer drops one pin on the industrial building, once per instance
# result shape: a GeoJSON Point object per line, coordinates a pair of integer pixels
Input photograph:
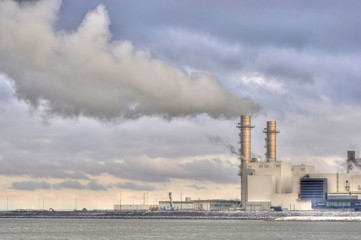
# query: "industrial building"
{"type": "Point", "coordinates": [134, 207]}
{"type": "Point", "coordinates": [273, 184]}
{"type": "Point", "coordinates": [188, 205]}
{"type": "Point", "coordinates": [200, 205]}
{"type": "Point", "coordinates": [281, 185]}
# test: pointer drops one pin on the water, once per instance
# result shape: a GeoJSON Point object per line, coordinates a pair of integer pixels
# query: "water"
{"type": "Point", "coordinates": [174, 229]}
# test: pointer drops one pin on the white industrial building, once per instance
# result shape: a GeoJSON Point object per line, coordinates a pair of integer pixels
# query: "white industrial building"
{"type": "Point", "coordinates": [200, 205]}
{"type": "Point", "coordinates": [134, 207]}
{"type": "Point", "coordinates": [275, 184]}
{"type": "Point", "coordinates": [280, 185]}
{"type": "Point", "coordinates": [188, 205]}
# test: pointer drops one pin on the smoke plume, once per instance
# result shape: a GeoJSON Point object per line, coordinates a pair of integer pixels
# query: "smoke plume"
{"type": "Point", "coordinates": [219, 141]}
{"type": "Point", "coordinates": [85, 73]}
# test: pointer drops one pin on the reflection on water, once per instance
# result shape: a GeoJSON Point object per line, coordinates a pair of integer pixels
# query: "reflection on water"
{"type": "Point", "coordinates": [174, 229]}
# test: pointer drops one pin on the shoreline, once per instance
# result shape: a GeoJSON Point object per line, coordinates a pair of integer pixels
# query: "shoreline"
{"type": "Point", "coordinates": [301, 216]}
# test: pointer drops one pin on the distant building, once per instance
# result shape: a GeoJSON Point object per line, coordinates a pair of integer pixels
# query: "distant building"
{"type": "Point", "coordinates": [201, 205]}
{"type": "Point", "coordinates": [280, 185]}
{"type": "Point", "coordinates": [134, 207]}
{"type": "Point", "coordinates": [186, 206]}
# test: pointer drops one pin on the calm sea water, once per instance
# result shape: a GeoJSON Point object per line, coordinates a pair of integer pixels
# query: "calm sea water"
{"type": "Point", "coordinates": [175, 229]}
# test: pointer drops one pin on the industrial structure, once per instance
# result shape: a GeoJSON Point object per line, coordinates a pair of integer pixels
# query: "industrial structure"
{"type": "Point", "coordinates": [273, 184]}
{"type": "Point", "coordinates": [245, 154]}
{"type": "Point", "coordinates": [271, 132]}
{"type": "Point", "coordinates": [281, 185]}
{"type": "Point", "coordinates": [135, 207]}
{"type": "Point", "coordinates": [190, 205]}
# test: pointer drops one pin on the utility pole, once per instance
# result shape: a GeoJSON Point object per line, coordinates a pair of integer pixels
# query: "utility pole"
{"type": "Point", "coordinates": [120, 201]}
{"type": "Point", "coordinates": [181, 201]}
{"type": "Point", "coordinates": [7, 203]}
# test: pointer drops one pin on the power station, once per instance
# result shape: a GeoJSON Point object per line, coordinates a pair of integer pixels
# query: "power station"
{"type": "Point", "coordinates": [275, 184]}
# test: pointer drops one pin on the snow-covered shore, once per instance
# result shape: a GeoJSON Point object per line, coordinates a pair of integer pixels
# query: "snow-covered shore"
{"type": "Point", "coordinates": [321, 218]}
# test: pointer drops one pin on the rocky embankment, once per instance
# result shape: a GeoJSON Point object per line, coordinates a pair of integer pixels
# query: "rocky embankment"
{"type": "Point", "coordinates": [236, 215]}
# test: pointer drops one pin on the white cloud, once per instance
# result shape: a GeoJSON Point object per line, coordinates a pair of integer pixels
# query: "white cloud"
{"type": "Point", "coordinates": [309, 83]}
{"type": "Point", "coordinates": [83, 73]}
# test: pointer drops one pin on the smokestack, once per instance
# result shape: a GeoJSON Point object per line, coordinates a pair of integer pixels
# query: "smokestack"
{"type": "Point", "coordinates": [271, 133]}
{"type": "Point", "coordinates": [245, 154]}
{"type": "Point", "coordinates": [245, 139]}
{"type": "Point", "coordinates": [351, 160]}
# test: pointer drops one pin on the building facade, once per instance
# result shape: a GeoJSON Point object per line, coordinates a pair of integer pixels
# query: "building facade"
{"type": "Point", "coordinates": [201, 205]}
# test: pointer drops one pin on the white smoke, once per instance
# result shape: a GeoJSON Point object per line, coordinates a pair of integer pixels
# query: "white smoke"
{"type": "Point", "coordinates": [85, 73]}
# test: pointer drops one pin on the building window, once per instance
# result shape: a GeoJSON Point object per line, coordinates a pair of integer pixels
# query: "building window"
{"type": "Point", "coordinates": [338, 204]}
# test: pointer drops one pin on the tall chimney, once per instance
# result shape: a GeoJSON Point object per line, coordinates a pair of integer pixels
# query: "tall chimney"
{"type": "Point", "coordinates": [271, 133]}
{"type": "Point", "coordinates": [245, 155]}
{"type": "Point", "coordinates": [245, 139]}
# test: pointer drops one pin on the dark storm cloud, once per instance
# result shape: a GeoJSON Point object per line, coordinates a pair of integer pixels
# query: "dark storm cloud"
{"type": "Point", "coordinates": [329, 25]}
{"type": "Point", "coordinates": [30, 185]}
{"type": "Point", "coordinates": [73, 153]}
{"type": "Point", "coordinates": [214, 170]}
{"type": "Point", "coordinates": [153, 170]}
{"type": "Point", "coordinates": [70, 151]}
{"type": "Point", "coordinates": [94, 186]}
{"type": "Point", "coordinates": [38, 168]}
{"type": "Point", "coordinates": [68, 184]}
{"type": "Point", "coordinates": [292, 42]}
{"type": "Point", "coordinates": [285, 66]}
{"type": "Point", "coordinates": [197, 187]}
{"type": "Point", "coordinates": [136, 187]}
{"type": "Point", "coordinates": [71, 184]}
{"type": "Point", "coordinates": [163, 170]}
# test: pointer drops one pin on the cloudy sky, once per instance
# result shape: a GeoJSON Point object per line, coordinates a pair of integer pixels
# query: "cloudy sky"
{"type": "Point", "coordinates": [103, 97]}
